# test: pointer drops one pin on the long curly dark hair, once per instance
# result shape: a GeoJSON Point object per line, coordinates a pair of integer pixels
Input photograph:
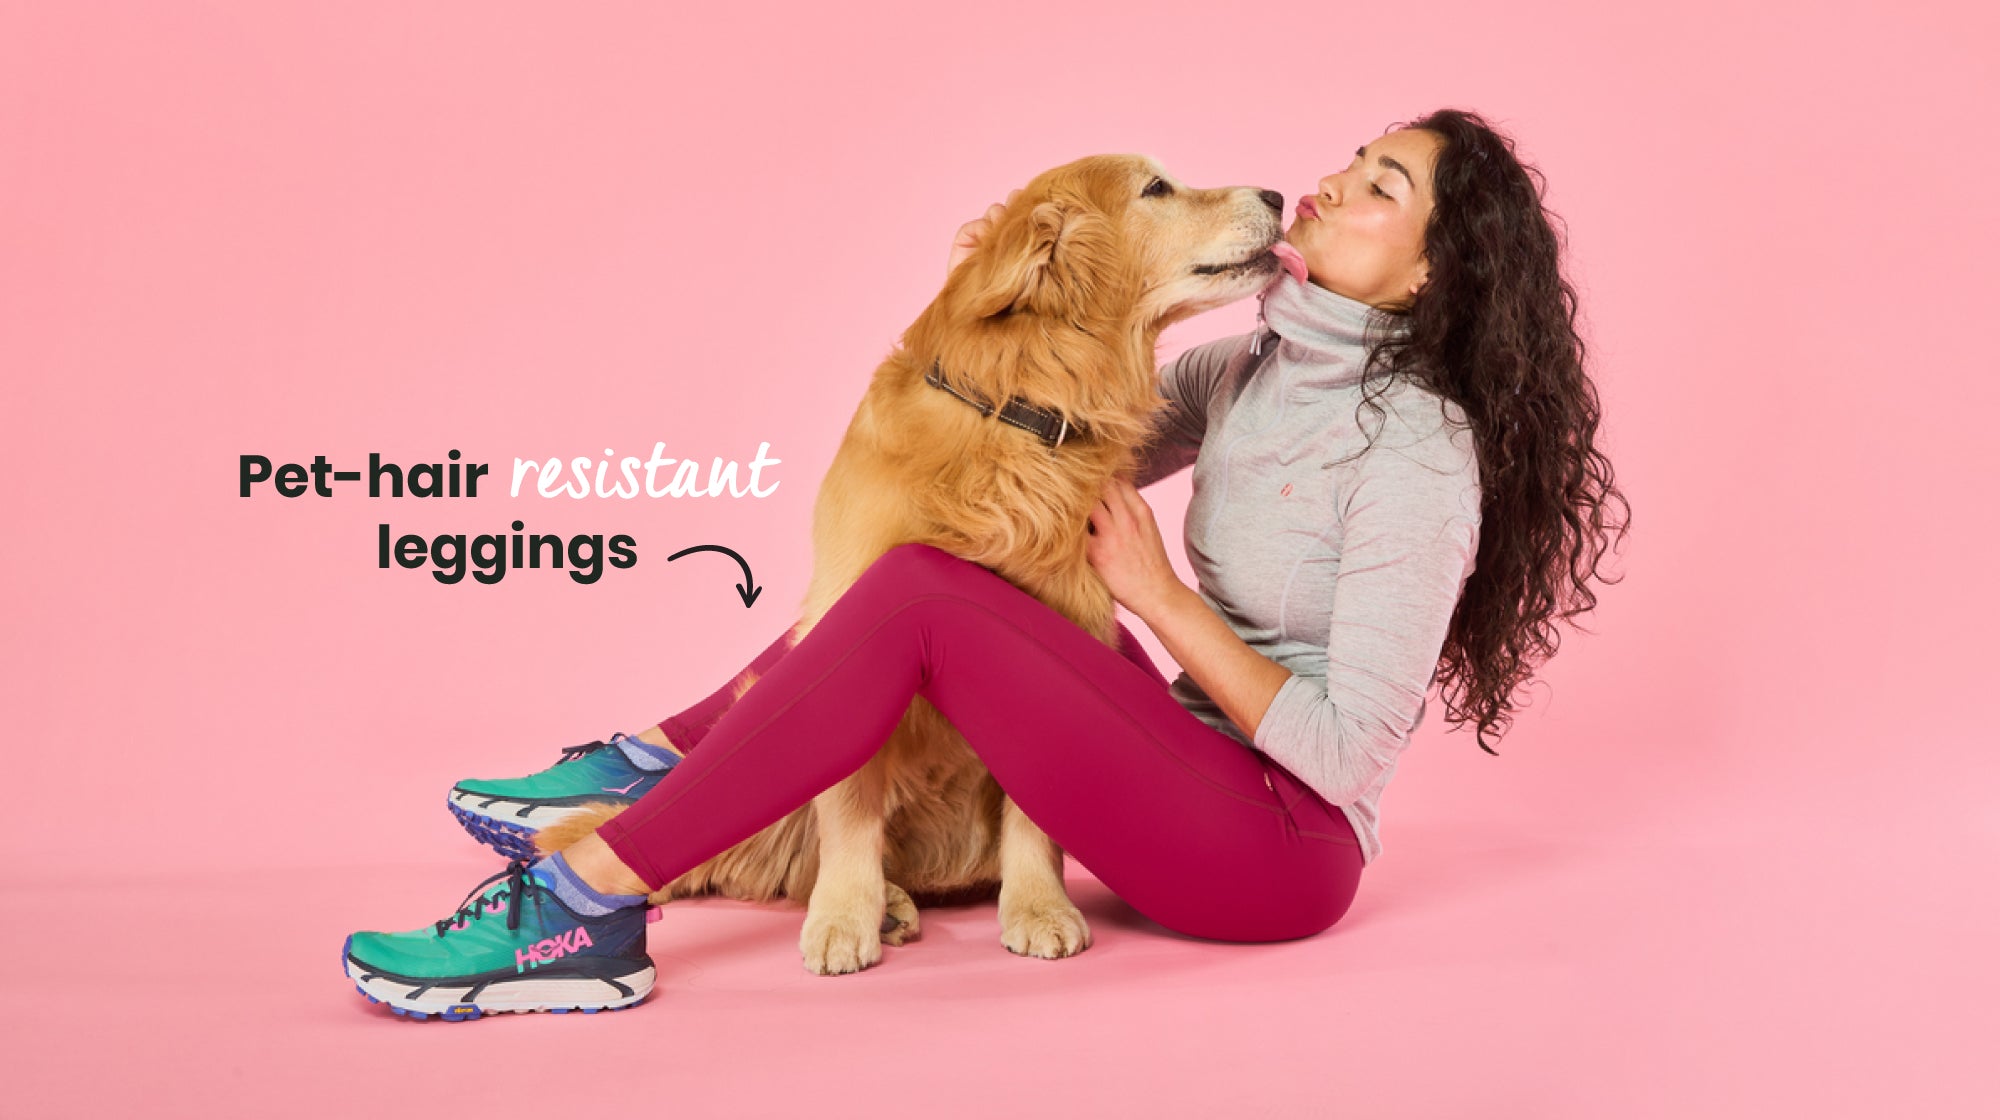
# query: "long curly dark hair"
{"type": "Point", "coordinates": [1493, 329]}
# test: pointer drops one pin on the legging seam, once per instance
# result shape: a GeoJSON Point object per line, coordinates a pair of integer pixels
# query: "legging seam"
{"type": "Point", "coordinates": [890, 617]}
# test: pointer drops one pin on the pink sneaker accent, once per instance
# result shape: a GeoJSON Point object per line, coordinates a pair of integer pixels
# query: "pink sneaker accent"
{"type": "Point", "coordinates": [552, 948]}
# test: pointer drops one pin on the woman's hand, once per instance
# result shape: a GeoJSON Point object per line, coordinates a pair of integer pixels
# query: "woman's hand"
{"type": "Point", "coordinates": [1125, 548]}
{"type": "Point", "coordinates": [971, 233]}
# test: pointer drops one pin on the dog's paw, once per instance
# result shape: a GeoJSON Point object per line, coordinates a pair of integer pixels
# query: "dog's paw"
{"type": "Point", "coordinates": [836, 942]}
{"type": "Point", "coordinates": [1052, 929]}
{"type": "Point", "coordinates": [899, 920]}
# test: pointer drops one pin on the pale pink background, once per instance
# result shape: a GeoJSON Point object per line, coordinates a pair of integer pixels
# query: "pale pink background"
{"type": "Point", "coordinates": [1737, 859]}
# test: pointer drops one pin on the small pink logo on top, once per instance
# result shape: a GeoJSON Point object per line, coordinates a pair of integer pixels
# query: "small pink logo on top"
{"type": "Point", "coordinates": [1286, 492]}
{"type": "Point", "coordinates": [612, 789]}
{"type": "Point", "coordinates": [552, 948]}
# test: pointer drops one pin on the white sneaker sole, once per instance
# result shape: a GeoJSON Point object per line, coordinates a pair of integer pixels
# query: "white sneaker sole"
{"type": "Point", "coordinates": [519, 814]}
{"type": "Point", "coordinates": [516, 996]}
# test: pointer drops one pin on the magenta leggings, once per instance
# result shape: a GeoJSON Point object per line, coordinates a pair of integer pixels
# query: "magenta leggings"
{"type": "Point", "coordinates": [1194, 830]}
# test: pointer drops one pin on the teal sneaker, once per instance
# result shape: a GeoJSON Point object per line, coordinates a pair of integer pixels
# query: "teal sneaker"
{"type": "Point", "coordinates": [512, 946]}
{"type": "Point", "coordinates": [506, 813]}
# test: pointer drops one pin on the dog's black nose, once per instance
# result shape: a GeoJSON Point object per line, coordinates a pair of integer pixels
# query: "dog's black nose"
{"type": "Point", "coordinates": [1273, 199]}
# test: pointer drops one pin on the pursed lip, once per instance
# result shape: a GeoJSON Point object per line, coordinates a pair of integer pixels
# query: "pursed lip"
{"type": "Point", "coordinates": [1307, 208]}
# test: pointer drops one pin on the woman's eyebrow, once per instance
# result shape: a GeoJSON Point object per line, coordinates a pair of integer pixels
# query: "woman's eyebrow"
{"type": "Point", "coordinates": [1390, 162]}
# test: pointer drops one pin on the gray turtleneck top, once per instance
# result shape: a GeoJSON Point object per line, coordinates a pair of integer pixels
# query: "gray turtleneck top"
{"type": "Point", "coordinates": [1344, 570]}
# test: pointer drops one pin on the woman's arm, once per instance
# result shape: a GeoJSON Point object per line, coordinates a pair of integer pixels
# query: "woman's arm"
{"type": "Point", "coordinates": [1241, 681]}
{"type": "Point", "coordinates": [1190, 384]}
{"type": "Point", "coordinates": [1409, 541]}
{"type": "Point", "coordinates": [1126, 549]}
{"type": "Point", "coordinates": [1411, 537]}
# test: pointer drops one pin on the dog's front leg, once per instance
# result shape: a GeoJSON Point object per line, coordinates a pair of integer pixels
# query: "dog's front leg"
{"type": "Point", "coordinates": [843, 930]}
{"type": "Point", "coordinates": [1037, 919]}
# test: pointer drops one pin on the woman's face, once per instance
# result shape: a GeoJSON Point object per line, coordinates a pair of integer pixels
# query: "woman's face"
{"type": "Point", "coordinates": [1362, 235]}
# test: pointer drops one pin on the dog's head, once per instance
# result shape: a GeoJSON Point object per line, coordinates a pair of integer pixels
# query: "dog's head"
{"type": "Point", "coordinates": [1115, 239]}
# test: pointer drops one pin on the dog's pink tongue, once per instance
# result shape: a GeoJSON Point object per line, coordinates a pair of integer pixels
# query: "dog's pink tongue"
{"type": "Point", "coordinates": [1290, 258]}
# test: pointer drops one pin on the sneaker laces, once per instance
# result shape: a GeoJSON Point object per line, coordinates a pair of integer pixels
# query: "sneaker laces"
{"type": "Point", "coordinates": [476, 906]}
{"type": "Point", "coordinates": [571, 754]}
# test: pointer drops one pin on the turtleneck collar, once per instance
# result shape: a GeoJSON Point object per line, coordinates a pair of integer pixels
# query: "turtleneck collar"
{"type": "Point", "coordinates": [1322, 335]}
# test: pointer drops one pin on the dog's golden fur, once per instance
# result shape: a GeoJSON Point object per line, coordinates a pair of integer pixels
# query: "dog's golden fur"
{"type": "Point", "coordinates": [1061, 304]}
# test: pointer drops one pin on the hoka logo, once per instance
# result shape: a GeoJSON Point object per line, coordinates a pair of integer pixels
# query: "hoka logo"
{"type": "Point", "coordinates": [551, 948]}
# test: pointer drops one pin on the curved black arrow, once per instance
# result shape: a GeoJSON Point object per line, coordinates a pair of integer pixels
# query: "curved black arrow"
{"type": "Point", "coordinates": [748, 589]}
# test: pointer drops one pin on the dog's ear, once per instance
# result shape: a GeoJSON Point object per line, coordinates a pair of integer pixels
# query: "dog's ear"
{"type": "Point", "coordinates": [1047, 261]}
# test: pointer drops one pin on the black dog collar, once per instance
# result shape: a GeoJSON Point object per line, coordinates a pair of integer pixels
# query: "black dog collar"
{"type": "Point", "coordinates": [1052, 427]}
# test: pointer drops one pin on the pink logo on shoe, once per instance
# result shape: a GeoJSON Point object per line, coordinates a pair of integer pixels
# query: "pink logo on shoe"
{"type": "Point", "coordinates": [635, 782]}
{"type": "Point", "coordinates": [552, 948]}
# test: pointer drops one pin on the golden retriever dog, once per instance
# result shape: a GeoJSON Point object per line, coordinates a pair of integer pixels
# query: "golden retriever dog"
{"type": "Point", "coordinates": [1058, 306]}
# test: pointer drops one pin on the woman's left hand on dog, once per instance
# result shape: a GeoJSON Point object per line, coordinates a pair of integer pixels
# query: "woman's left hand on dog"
{"type": "Point", "coordinates": [1124, 546]}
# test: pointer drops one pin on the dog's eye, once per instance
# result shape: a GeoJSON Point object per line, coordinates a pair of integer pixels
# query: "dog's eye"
{"type": "Point", "coordinates": [1158, 188]}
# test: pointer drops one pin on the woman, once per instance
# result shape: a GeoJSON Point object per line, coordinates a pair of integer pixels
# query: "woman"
{"type": "Point", "coordinates": [1344, 565]}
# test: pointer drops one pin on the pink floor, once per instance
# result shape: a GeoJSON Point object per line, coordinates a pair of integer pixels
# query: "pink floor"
{"type": "Point", "coordinates": [1488, 969]}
